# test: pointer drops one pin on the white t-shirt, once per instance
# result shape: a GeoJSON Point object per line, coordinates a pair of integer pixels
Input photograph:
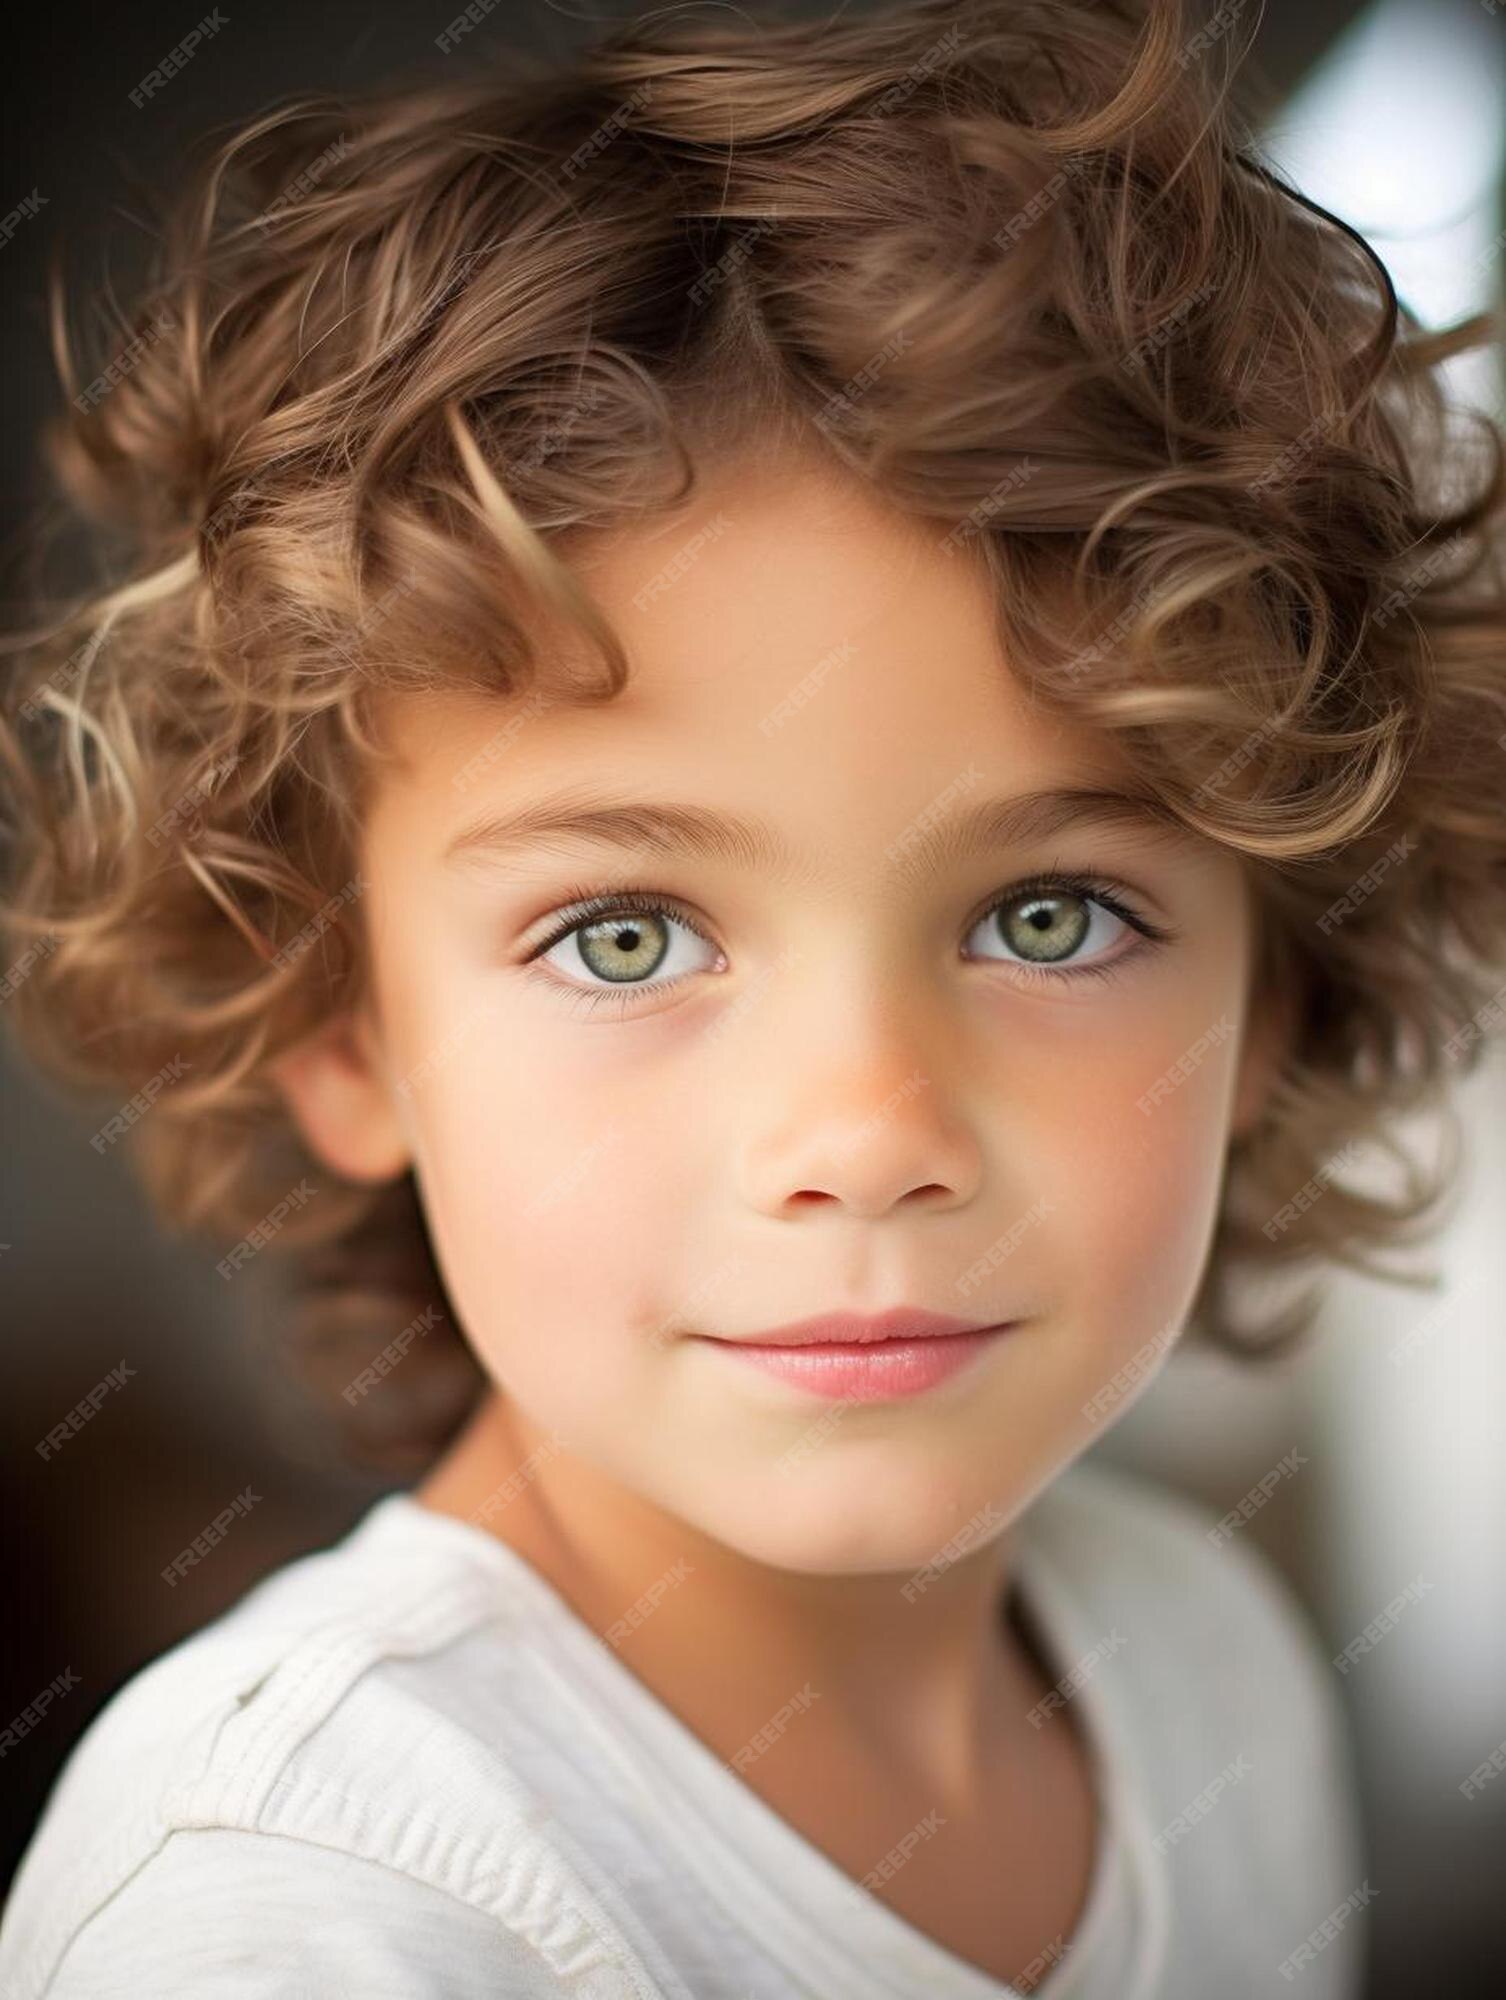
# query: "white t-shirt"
{"type": "Point", "coordinates": [404, 1766]}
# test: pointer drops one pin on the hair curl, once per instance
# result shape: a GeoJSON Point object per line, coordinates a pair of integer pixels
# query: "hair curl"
{"type": "Point", "coordinates": [1013, 263]}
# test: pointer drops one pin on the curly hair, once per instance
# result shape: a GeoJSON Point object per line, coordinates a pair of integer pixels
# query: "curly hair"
{"type": "Point", "coordinates": [1014, 263]}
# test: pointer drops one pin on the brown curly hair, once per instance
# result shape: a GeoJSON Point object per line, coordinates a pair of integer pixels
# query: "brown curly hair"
{"type": "Point", "coordinates": [401, 350]}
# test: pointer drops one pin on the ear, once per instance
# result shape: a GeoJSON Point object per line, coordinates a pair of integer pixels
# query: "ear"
{"type": "Point", "coordinates": [337, 1091]}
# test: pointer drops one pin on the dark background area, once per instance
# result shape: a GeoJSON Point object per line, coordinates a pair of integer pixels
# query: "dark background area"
{"type": "Point", "coordinates": [88, 1279]}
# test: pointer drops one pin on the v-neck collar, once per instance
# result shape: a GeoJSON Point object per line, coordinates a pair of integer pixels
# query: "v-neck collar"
{"type": "Point", "coordinates": [738, 1846]}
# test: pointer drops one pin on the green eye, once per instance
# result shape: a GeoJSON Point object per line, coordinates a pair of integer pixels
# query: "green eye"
{"type": "Point", "coordinates": [622, 941]}
{"type": "Point", "coordinates": [625, 947]}
{"type": "Point", "coordinates": [1044, 928]}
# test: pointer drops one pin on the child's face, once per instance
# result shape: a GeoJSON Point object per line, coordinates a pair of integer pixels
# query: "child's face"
{"type": "Point", "coordinates": [848, 1096]}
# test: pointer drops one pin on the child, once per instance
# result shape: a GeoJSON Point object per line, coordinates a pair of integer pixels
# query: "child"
{"type": "Point", "coordinates": [992, 498]}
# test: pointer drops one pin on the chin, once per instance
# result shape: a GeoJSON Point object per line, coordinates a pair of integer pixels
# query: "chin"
{"type": "Point", "coordinates": [849, 1524]}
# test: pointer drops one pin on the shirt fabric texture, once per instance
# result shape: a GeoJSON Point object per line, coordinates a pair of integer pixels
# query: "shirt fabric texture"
{"type": "Point", "coordinates": [404, 1766]}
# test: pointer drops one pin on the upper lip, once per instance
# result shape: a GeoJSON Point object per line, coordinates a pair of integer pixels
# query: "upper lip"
{"type": "Point", "coordinates": [858, 1329]}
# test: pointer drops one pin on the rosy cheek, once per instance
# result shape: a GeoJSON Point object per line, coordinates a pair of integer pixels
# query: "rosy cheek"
{"type": "Point", "coordinates": [1129, 1175]}
{"type": "Point", "coordinates": [1161, 1211]}
{"type": "Point", "coordinates": [554, 1203]}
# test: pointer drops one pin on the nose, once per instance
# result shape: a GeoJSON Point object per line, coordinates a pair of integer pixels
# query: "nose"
{"type": "Point", "coordinates": [867, 1127]}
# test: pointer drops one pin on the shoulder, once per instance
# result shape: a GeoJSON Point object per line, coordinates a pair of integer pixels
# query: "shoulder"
{"type": "Point", "coordinates": [300, 1754]}
{"type": "Point", "coordinates": [257, 1916]}
{"type": "Point", "coordinates": [1171, 1570]}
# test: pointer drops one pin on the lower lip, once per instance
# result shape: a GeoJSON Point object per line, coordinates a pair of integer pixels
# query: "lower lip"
{"type": "Point", "coordinates": [883, 1371]}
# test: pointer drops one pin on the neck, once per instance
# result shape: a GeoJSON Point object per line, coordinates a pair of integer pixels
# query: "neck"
{"type": "Point", "coordinates": [938, 1684]}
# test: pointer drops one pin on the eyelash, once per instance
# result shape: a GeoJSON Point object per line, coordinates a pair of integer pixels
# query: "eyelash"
{"type": "Point", "coordinates": [588, 906]}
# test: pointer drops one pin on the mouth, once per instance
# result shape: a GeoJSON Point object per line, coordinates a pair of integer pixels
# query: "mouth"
{"type": "Point", "coordinates": [850, 1329]}
{"type": "Point", "coordinates": [869, 1369]}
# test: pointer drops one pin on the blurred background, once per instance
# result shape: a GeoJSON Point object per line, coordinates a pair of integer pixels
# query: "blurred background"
{"type": "Point", "coordinates": [1393, 115]}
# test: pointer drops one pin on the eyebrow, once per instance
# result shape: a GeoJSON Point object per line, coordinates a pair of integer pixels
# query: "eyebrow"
{"type": "Point", "coordinates": [931, 842]}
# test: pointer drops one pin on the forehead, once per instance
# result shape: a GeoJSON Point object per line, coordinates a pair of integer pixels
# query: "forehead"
{"type": "Point", "coordinates": [788, 628]}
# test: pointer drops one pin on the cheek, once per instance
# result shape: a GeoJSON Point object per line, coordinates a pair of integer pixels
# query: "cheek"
{"type": "Point", "coordinates": [554, 1192]}
{"type": "Point", "coordinates": [1131, 1173]}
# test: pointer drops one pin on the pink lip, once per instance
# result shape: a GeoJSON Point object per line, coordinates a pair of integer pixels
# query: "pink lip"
{"type": "Point", "coordinates": [871, 1370]}
{"type": "Point", "coordinates": [848, 1329]}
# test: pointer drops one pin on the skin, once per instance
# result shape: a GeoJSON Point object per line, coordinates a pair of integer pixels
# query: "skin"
{"type": "Point", "coordinates": [749, 1145]}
